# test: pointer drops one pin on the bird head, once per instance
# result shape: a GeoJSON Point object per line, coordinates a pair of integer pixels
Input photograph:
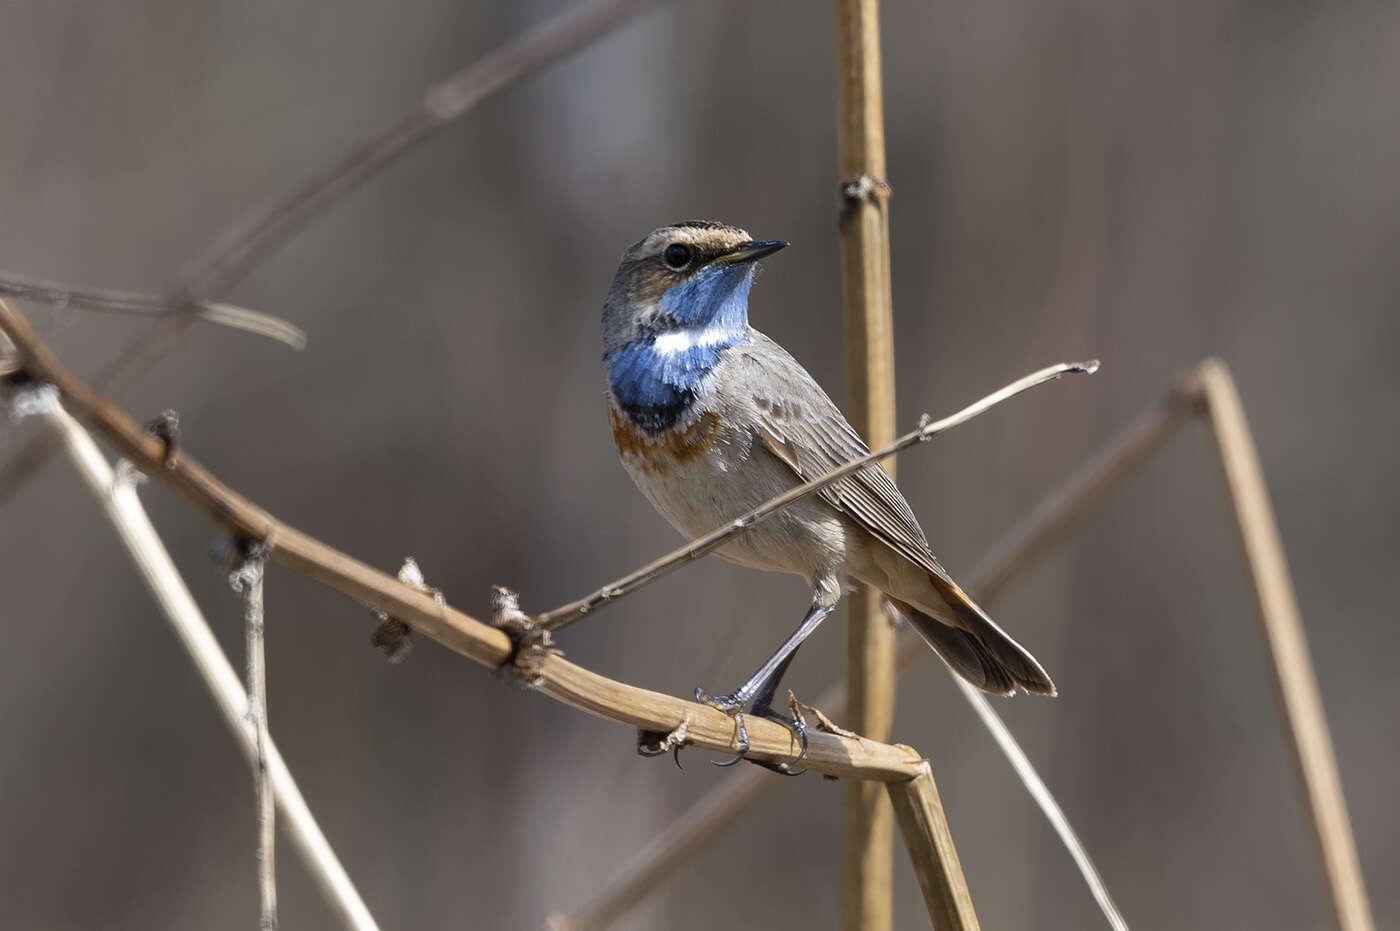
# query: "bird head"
{"type": "Point", "coordinates": [687, 282]}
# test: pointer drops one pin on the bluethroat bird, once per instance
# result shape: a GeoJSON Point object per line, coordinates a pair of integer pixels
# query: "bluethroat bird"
{"type": "Point", "coordinates": [712, 418]}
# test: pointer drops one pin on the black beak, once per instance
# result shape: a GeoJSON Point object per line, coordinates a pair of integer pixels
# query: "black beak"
{"type": "Point", "coordinates": [753, 251]}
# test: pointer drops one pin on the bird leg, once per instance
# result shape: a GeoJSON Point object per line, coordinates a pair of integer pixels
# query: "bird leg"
{"type": "Point", "coordinates": [763, 707]}
{"type": "Point", "coordinates": [763, 684]}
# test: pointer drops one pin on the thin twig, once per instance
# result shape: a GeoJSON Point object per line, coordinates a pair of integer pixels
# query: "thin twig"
{"type": "Point", "coordinates": [117, 495]}
{"type": "Point", "coordinates": [565, 615]}
{"type": "Point", "coordinates": [127, 302]}
{"type": "Point", "coordinates": [549, 672]}
{"type": "Point", "coordinates": [268, 224]}
{"type": "Point", "coordinates": [1048, 523]}
{"type": "Point", "coordinates": [1043, 797]}
{"type": "Point", "coordinates": [247, 581]}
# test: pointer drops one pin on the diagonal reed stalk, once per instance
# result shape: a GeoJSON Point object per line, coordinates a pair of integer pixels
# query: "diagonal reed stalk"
{"type": "Point", "coordinates": [1295, 684]}
{"type": "Point", "coordinates": [265, 226]}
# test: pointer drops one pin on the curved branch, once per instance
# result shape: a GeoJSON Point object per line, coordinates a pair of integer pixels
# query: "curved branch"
{"type": "Point", "coordinates": [546, 670]}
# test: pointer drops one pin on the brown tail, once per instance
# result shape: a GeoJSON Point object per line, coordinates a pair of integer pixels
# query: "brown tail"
{"type": "Point", "coordinates": [988, 658]}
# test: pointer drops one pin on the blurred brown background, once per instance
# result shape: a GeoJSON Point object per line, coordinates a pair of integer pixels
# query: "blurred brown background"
{"type": "Point", "coordinates": [1146, 183]}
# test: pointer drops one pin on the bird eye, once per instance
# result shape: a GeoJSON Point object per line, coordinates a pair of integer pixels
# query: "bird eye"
{"type": "Point", "coordinates": [677, 255]}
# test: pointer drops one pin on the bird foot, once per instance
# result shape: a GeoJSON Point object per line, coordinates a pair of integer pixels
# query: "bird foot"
{"type": "Point", "coordinates": [797, 725]}
{"type": "Point", "coordinates": [656, 743]}
{"type": "Point", "coordinates": [733, 705]}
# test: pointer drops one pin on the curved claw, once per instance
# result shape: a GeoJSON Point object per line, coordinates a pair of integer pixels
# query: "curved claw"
{"type": "Point", "coordinates": [782, 769]}
{"type": "Point", "coordinates": [743, 742]}
{"type": "Point", "coordinates": [798, 727]}
{"type": "Point", "coordinates": [676, 753]}
{"type": "Point", "coordinates": [801, 731]}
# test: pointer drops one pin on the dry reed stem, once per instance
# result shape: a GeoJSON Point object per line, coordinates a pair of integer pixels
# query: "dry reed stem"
{"type": "Point", "coordinates": [1017, 549]}
{"type": "Point", "coordinates": [269, 223]}
{"type": "Point", "coordinates": [247, 581]}
{"type": "Point", "coordinates": [548, 671]}
{"type": "Point", "coordinates": [867, 848]}
{"type": "Point", "coordinates": [924, 827]}
{"type": "Point", "coordinates": [117, 495]}
{"type": "Point", "coordinates": [127, 302]}
{"type": "Point", "coordinates": [1299, 701]}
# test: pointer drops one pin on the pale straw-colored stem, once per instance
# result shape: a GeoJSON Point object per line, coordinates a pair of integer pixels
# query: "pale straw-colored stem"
{"type": "Point", "coordinates": [117, 496]}
{"type": "Point", "coordinates": [1299, 700]}
{"type": "Point", "coordinates": [867, 848]}
{"type": "Point", "coordinates": [1043, 797]}
{"type": "Point", "coordinates": [919, 811]}
{"type": "Point", "coordinates": [247, 581]}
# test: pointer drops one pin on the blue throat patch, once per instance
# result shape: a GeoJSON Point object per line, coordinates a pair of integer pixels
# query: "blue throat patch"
{"type": "Point", "coordinates": [655, 387]}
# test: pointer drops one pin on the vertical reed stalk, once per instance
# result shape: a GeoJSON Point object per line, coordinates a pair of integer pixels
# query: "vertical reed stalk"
{"type": "Point", "coordinates": [247, 580]}
{"type": "Point", "coordinates": [1300, 703]}
{"type": "Point", "coordinates": [865, 276]}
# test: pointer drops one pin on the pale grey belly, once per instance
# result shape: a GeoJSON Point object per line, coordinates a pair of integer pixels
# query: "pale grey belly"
{"type": "Point", "coordinates": [730, 479]}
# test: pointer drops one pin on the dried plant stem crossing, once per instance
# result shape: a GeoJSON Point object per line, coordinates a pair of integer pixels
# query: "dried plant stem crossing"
{"type": "Point", "coordinates": [267, 225]}
{"type": "Point", "coordinates": [564, 615]}
{"type": "Point", "coordinates": [116, 492]}
{"type": "Point", "coordinates": [546, 670]}
{"type": "Point", "coordinates": [1206, 391]}
{"type": "Point", "coordinates": [1049, 522]}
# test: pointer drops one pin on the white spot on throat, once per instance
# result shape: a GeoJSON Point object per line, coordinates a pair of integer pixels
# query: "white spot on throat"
{"type": "Point", "coordinates": [680, 340]}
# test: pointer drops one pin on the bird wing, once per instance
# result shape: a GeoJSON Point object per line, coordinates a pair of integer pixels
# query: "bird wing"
{"type": "Point", "coordinates": [801, 426]}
